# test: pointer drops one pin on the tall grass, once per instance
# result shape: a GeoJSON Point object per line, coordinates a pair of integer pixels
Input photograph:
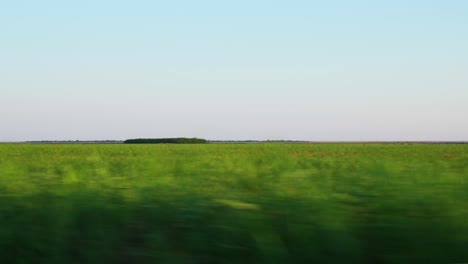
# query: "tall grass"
{"type": "Point", "coordinates": [251, 203]}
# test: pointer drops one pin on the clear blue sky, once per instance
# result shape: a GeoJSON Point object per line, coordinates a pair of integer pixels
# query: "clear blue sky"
{"type": "Point", "coordinates": [244, 69]}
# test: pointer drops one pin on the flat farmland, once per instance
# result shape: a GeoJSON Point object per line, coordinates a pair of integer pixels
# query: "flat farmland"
{"type": "Point", "coordinates": [234, 203]}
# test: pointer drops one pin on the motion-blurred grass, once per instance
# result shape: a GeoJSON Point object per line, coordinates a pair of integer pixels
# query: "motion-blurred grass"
{"type": "Point", "coordinates": [234, 203]}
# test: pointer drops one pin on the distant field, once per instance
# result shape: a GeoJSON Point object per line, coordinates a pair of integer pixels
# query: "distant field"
{"type": "Point", "coordinates": [234, 203]}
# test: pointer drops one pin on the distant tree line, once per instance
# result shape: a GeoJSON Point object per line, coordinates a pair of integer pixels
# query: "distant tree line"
{"type": "Point", "coordinates": [166, 141]}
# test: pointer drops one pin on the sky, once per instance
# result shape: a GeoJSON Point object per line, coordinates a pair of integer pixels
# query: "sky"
{"type": "Point", "coordinates": [358, 70]}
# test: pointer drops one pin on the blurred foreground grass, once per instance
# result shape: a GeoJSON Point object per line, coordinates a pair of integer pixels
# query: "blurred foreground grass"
{"type": "Point", "coordinates": [252, 203]}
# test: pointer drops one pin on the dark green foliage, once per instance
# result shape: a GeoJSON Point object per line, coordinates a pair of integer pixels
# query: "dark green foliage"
{"type": "Point", "coordinates": [166, 141]}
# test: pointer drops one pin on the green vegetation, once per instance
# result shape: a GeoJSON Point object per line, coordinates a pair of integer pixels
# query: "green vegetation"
{"type": "Point", "coordinates": [234, 203]}
{"type": "Point", "coordinates": [166, 141]}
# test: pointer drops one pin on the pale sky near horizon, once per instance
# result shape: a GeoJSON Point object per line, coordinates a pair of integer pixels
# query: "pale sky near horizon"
{"type": "Point", "coordinates": [244, 69]}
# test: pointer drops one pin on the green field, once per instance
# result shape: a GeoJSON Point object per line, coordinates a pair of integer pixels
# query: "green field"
{"type": "Point", "coordinates": [234, 203]}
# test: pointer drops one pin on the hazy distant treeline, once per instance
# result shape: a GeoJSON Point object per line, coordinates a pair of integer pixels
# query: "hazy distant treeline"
{"type": "Point", "coordinates": [166, 141]}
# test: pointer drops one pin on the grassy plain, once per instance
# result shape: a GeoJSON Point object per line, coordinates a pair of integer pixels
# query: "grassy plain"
{"type": "Point", "coordinates": [234, 203]}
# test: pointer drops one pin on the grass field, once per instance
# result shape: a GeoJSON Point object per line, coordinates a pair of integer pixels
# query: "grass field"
{"type": "Point", "coordinates": [234, 203]}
